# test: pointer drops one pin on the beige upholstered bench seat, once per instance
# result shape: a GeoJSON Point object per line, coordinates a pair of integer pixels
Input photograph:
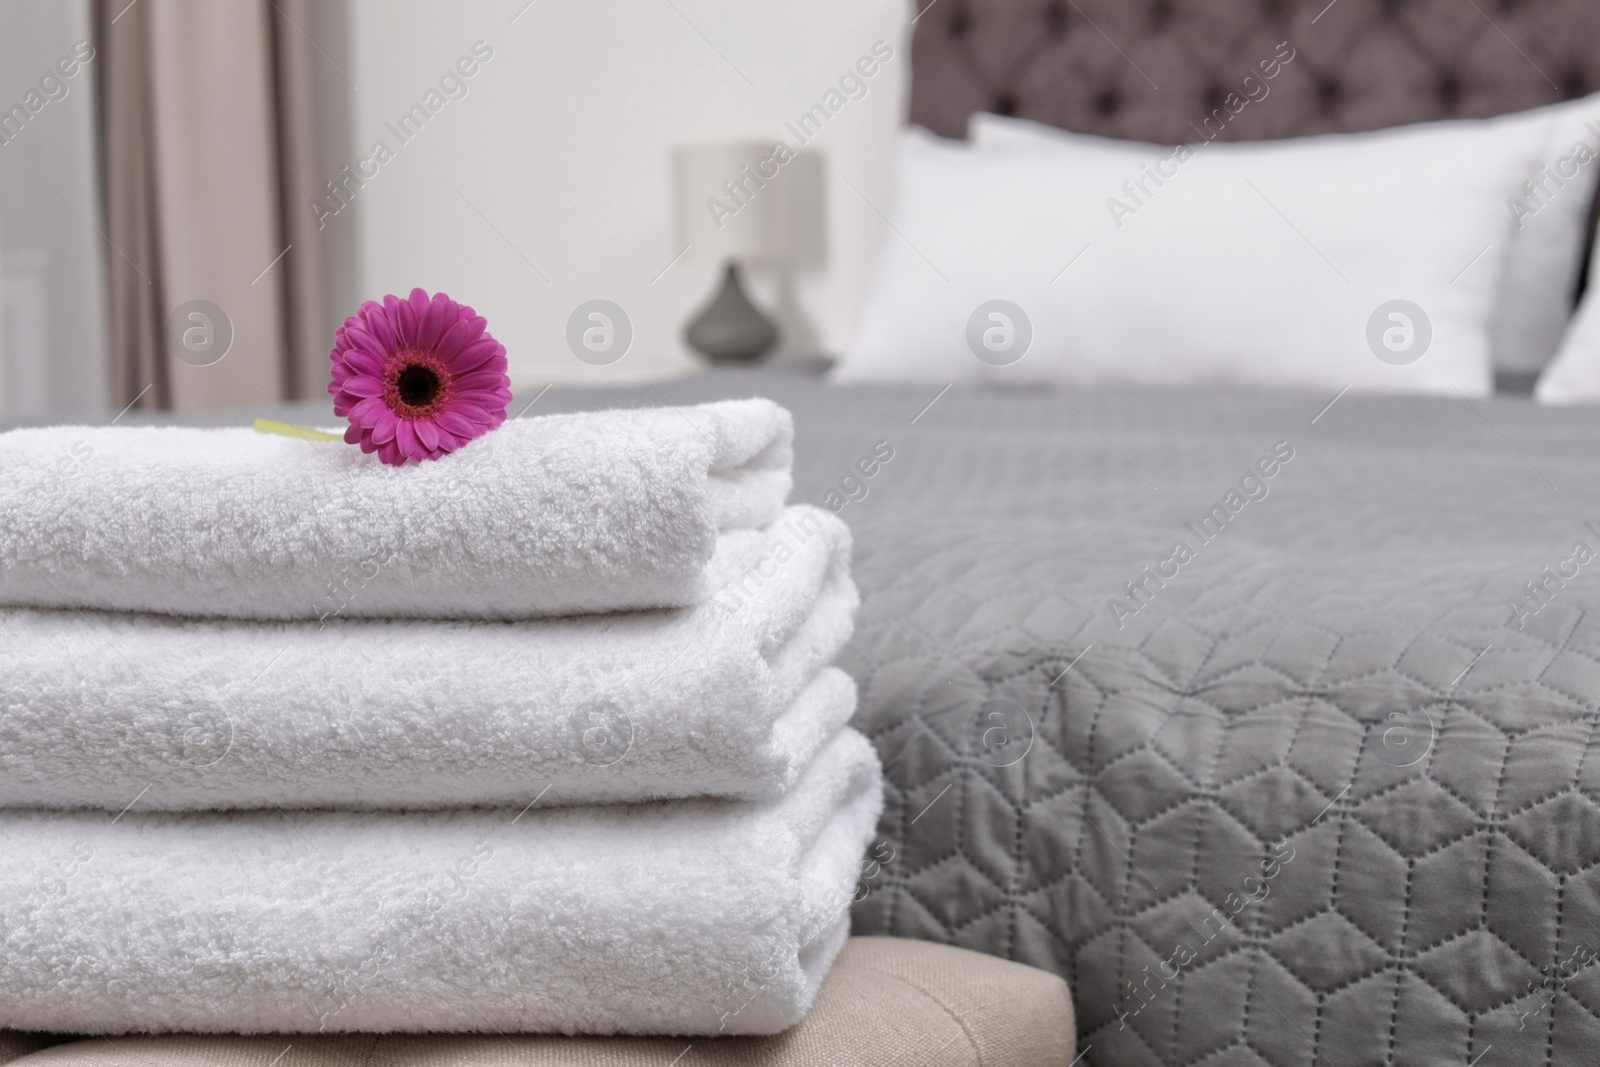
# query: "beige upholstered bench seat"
{"type": "Point", "coordinates": [887, 1001]}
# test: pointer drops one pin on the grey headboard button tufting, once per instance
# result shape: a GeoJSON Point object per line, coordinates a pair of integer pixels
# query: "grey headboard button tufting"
{"type": "Point", "coordinates": [1147, 69]}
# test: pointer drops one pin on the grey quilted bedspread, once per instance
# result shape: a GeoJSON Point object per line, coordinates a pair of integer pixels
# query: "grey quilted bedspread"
{"type": "Point", "coordinates": [1267, 724]}
{"type": "Point", "coordinates": [1313, 790]}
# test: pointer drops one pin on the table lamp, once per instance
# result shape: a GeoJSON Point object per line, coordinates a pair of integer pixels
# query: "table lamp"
{"type": "Point", "coordinates": [732, 204]}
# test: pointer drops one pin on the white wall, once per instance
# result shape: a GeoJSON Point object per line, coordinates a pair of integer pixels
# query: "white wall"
{"type": "Point", "coordinates": [556, 162]}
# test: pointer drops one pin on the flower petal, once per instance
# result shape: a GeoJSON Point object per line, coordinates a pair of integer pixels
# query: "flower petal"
{"type": "Point", "coordinates": [389, 452]}
{"type": "Point", "coordinates": [379, 324]}
{"type": "Point", "coordinates": [476, 354]}
{"type": "Point", "coordinates": [367, 411]}
{"type": "Point", "coordinates": [358, 339]}
{"type": "Point", "coordinates": [434, 322]}
{"type": "Point", "coordinates": [359, 362]}
{"type": "Point", "coordinates": [363, 385]}
{"type": "Point", "coordinates": [427, 433]}
{"type": "Point", "coordinates": [482, 393]}
{"type": "Point", "coordinates": [404, 319]}
{"type": "Point", "coordinates": [405, 438]}
{"type": "Point", "coordinates": [485, 380]}
{"type": "Point", "coordinates": [472, 412]}
{"type": "Point", "coordinates": [383, 427]}
{"type": "Point", "coordinates": [490, 402]}
{"type": "Point", "coordinates": [454, 423]}
{"type": "Point", "coordinates": [419, 307]}
{"type": "Point", "coordinates": [453, 340]}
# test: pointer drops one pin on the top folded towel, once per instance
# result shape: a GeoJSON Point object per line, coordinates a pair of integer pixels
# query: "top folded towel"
{"type": "Point", "coordinates": [559, 515]}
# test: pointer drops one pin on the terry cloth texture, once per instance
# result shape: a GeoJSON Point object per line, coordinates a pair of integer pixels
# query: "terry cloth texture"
{"type": "Point", "coordinates": [558, 515]}
{"type": "Point", "coordinates": [691, 917]}
{"type": "Point", "coordinates": [886, 1001]}
{"type": "Point", "coordinates": [728, 698]}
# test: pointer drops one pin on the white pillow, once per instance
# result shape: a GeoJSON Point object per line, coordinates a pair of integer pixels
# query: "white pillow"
{"type": "Point", "coordinates": [1573, 377]}
{"type": "Point", "coordinates": [1533, 307]}
{"type": "Point", "coordinates": [1290, 263]}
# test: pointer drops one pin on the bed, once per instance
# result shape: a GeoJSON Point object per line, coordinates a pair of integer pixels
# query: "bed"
{"type": "Point", "coordinates": [1319, 757]}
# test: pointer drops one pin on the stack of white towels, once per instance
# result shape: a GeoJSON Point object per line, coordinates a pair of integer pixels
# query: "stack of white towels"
{"type": "Point", "coordinates": [539, 737]}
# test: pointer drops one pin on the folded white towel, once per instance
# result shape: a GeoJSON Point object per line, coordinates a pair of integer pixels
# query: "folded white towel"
{"type": "Point", "coordinates": [98, 709]}
{"type": "Point", "coordinates": [685, 917]}
{"type": "Point", "coordinates": [545, 516]}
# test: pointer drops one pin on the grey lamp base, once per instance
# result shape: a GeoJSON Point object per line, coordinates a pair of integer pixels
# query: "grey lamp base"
{"type": "Point", "coordinates": [731, 329]}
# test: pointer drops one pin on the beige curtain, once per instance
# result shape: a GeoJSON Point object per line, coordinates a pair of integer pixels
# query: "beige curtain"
{"type": "Point", "coordinates": [216, 121]}
{"type": "Point", "coordinates": [127, 183]}
{"type": "Point", "coordinates": [310, 39]}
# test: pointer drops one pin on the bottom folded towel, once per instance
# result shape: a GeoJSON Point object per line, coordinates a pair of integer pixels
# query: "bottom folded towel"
{"type": "Point", "coordinates": [679, 917]}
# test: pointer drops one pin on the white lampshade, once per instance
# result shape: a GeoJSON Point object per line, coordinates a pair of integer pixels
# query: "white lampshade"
{"type": "Point", "coordinates": [732, 199]}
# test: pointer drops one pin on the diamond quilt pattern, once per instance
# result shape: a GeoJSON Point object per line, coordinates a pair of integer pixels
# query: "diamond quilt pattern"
{"type": "Point", "coordinates": [1317, 803]}
{"type": "Point", "coordinates": [1229, 847]}
{"type": "Point", "coordinates": [1334, 699]}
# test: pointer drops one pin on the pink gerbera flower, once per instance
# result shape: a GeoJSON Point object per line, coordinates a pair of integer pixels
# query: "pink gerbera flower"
{"type": "Point", "coordinates": [417, 377]}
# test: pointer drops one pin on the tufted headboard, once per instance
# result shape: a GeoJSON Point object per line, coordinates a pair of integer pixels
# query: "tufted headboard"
{"type": "Point", "coordinates": [1153, 70]}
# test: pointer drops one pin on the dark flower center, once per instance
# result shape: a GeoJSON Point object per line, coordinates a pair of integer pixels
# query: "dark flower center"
{"type": "Point", "coordinates": [417, 385]}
